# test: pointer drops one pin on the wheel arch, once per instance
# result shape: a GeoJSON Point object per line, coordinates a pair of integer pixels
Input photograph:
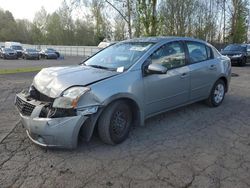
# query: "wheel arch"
{"type": "Point", "coordinates": [224, 79]}
{"type": "Point", "coordinates": [88, 127]}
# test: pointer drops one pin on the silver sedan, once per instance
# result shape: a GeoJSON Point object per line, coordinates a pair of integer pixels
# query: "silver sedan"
{"type": "Point", "coordinates": [121, 86]}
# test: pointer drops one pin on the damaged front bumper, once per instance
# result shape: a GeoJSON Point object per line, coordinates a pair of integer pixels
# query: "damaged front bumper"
{"type": "Point", "coordinates": [60, 132]}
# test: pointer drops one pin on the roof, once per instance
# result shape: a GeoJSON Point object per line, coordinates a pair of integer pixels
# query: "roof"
{"type": "Point", "coordinates": [161, 38]}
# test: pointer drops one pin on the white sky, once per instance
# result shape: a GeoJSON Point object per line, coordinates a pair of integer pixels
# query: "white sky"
{"type": "Point", "coordinates": [26, 9]}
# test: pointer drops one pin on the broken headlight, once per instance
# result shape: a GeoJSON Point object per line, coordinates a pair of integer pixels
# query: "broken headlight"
{"type": "Point", "coordinates": [70, 97]}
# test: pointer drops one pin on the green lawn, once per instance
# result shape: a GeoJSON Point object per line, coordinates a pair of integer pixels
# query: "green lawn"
{"type": "Point", "coordinates": [20, 70]}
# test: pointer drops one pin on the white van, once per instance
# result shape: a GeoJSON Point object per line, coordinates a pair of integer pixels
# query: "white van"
{"type": "Point", "coordinates": [17, 46]}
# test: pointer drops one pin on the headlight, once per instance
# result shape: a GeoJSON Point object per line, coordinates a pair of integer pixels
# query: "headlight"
{"type": "Point", "coordinates": [70, 97]}
{"type": "Point", "coordinates": [237, 55]}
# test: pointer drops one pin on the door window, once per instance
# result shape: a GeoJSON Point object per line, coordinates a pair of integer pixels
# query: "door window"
{"type": "Point", "coordinates": [197, 52]}
{"type": "Point", "coordinates": [170, 55]}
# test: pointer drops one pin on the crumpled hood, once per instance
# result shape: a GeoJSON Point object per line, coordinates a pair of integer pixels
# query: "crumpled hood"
{"type": "Point", "coordinates": [54, 80]}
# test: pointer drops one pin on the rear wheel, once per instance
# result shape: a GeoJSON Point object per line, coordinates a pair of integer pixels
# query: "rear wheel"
{"type": "Point", "coordinates": [115, 122]}
{"type": "Point", "coordinates": [217, 94]}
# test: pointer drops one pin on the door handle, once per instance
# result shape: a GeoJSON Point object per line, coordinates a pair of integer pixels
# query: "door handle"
{"type": "Point", "coordinates": [212, 67]}
{"type": "Point", "coordinates": [184, 75]}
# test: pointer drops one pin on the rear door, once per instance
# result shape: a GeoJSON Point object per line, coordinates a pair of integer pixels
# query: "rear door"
{"type": "Point", "coordinates": [203, 69]}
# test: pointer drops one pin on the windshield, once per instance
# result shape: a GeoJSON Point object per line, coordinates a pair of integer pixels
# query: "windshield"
{"type": "Point", "coordinates": [120, 56]}
{"type": "Point", "coordinates": [8, 50]}
{"type": "Point", "coordinates": [235, 48]}
{"type": "Point", "coordinates": [17, 47]}
{"type": "Point", "coordinates": [31, 50]}
{"type": "Point", "coordinates": [50, 49]}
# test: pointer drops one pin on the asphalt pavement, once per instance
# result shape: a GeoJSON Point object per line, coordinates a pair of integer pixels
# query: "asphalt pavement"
{"type": "Point", "coordinates": [193, 146]}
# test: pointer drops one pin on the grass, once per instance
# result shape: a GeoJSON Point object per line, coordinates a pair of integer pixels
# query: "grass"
{"type": "Point", "coordinates": [20, 70]}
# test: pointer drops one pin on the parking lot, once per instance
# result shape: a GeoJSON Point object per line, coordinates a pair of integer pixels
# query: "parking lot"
{"type": "Point", "coordinates": [193, 146]}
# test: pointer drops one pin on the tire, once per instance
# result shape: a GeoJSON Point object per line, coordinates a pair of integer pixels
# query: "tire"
{"type": "Point", "coordinates": [217, 94]}
{"type": "Point", "coordinates": [242, 62]}
{"type": "Point", "coordinates": [115, 123]}
{"type": "Point", "coordinates": [46, 57]}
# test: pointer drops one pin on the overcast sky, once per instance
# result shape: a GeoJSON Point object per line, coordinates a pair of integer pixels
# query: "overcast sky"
{"type": "Point", "coordinates": [26, 9]}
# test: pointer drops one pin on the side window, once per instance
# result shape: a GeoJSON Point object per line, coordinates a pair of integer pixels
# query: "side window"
{"type": "Point", "coordinates": [170, 55]}
{"type": "Point", "coordinates": [248, 48]}
{"type": "Point", "coordinates": [209, 53]}
{"type": "Point", "coordinates": [197, 52]}
{"type": "Point", "coordinates": [216, 52]}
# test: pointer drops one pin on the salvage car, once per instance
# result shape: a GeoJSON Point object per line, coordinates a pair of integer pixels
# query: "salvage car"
{"type": "Point", "coordinates": [238, 53]}
{"type": "Point", "coordinates": [31, 53]}
{"type": "Point", "coordinates": [8, 53]}
{"type": "Point", "coordinates": [119, 87]}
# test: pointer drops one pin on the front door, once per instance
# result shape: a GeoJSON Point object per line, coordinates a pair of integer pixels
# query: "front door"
{"type": "Point", "coordinates": [165, 91]}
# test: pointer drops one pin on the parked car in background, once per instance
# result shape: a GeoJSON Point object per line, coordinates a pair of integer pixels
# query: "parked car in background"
{"type": "Point", "coordinates": [17, 46]}
{"type": "Point", "coordinates": [49, 53]}
{"type": "Point", "coordinates": [121, 86]}
{"type": "Point", "coordinates": [105, 44]}
{"type": "Point", "coordinates": [8, 53]}
{"type": "Point", "coordinates": [31, 53]}
{"type": "Point", "coordinates": [238, 53]}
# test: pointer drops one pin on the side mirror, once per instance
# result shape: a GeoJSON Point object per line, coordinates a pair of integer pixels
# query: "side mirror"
{"type": "Point", "coordinates": [156, 69]}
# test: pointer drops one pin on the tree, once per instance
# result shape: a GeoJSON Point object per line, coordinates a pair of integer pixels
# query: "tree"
{"type": "Point", "coordinates": [41, 19]}
{"type": "Point", "coordinates": [23, 31]}
{"type": "Point", "coordinates": [102, 25]}
{"type": "Point", "coordinates": [54, 30]}
{"type": "Point", "coordinates": [147, 15]}
{"type": "Point", "coordinates": [238, 26]}
{"type": "Point", "coordinates": [67, 23]}
{"type": "Point", "coordinates": [120, 29]}
{"type": "Point", "coordinates": [125, 11]}
{"type": "Point", "coordinates": [8, 29]}
{"type": "Point", "coordinates": [84, 33]}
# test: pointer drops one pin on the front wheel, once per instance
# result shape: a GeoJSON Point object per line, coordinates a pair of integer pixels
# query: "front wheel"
{"type": "Point", "coordinates": [217, 94]}
{"type": "Point", "coordinates": [115, 122]}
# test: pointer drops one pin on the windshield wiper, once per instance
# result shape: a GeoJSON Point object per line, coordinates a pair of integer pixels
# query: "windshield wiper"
{"type": "Point", "coordinates": [100, 67]}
